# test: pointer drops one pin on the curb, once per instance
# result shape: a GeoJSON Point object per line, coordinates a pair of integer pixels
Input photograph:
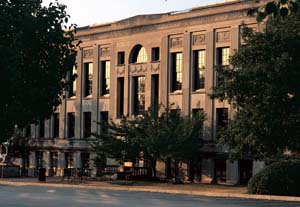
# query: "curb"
{"type": "Point", "coordinates": [156, 190]}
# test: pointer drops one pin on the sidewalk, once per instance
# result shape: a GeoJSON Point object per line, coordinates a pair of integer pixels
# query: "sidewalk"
{"type": "Point", "coordinates": [186, 189]}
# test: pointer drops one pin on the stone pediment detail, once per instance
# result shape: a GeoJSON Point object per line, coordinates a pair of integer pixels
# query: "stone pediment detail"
{"type": "Point", "coordinates": [155, 67]}
{"type": "Point", "coordinates": [88, 53]}
{"type": "Point", "coordinates": [104, 51]}
{"type": "Point", "coordinates": [199, 39]}
{"type": "Point", "coordinates": [176, 42]}
{"type": "Point", "coordinates": [137, 69]}
{"type": "Point", "coordinates": [223, 36]}
{"type": "Point", "coordinates": [120, 70]}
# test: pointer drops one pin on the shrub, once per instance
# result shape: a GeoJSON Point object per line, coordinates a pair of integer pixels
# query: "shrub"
{"type": "Point", "coordinates": [280, 178]}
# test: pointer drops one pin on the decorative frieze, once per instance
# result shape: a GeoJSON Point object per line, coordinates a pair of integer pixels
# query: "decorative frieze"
{"type": "Point", "coordinates": [137, 69]}
{"type": "Point", "coordinates": [120, 70]}
{"type": "Point", "coordinates": [223, 36]}
{"type": "Point", "coordinates": [104, 51]}
{"type": "Point", "coordinates": [176, 42]}
{"type": "Point", "coordinates": [199, 39]}
{"type": "Point", "coordinates": [88, 53]}
{"type": "Point", "coordinates": [155, 67]}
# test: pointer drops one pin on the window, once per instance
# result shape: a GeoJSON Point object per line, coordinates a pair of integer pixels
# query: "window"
{"type": "Point", "coordinates": [87, 123]}
{"type": "Point", "coordinates": [27, 131]}
{"type": "Point", "coordinates": [155, 54]}
{"type": "Point", "coordinates": [88, 79]}
{"type": "Point", "coordinates": [120, 97]}
{"type": "Point", "coordinates": [223, 56]}
{"type": "Point", "coordinates": [197, 111]}
{"type": "Point", "coordinates": [69, 160]}
{"type": "Point", "coordinates": [199, 69]}
{"type": "Point", "coordinates": [121, 58]}
{"type": "Point", "coordinates": [176, 71]}
{"type": "Point", "coordinates": [39, 159]}
{"type": "Point", "coordinates": [72, 86]}
{"type": "Point", "coordinates": [55, 125]}
{"type": "Point", "coordinates": [104, 116]}
{"type": "Point", "coordinates": [138, 55]}
{"type": "Point", "coordinates": [53, 163]}
{"type": "Point", "coordinates": [139, 94]}
{"type": "Point", "coordinates": [105, 78]}
{"type": "Point", "coordinates": [222, 117]}
{"type": "Point", "coordinates": [71, 125]}
{"type": "Point", "coordinates": [42, 128]}
{"type": "Point", "coordinates": [85, 160]}
{"type": "Point", "coordinates": [155, 89]}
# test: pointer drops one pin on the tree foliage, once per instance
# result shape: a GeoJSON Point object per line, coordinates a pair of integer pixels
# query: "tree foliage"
{"type": "Point", "coordinates": [277, 9]}
{"type": "Point", "coordinates": [263, 84]}
{"type": "Point", "coordinates": [152, 136]}
{"type": "Point", "coordinates": [36, 54]}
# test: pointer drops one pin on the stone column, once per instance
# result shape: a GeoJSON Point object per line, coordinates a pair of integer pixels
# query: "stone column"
{"type": "Point", "coordinates": [186, 73]}
{"type": "Point", "coordinates": [113, 82]}
{"type": "Point", "coordinates": [95, 94]}
{"type": "Point", "coordinates": [61, 163]}
{"type": "Point", "coordinates": [77, 159]}
{"type": "Point", "coordinates": [164, 68]}
{"type": "Point", "coordinates": [232, 172]}
{"type": "Point", "coordinates": [209, 82]}
{"type": "Point", "coordinates": [46, 157]}
{"type": "Point", "coordinates": [258, 166]}
{"type": "Point", "coordinates": [32, 163]}
{"type": "Point", "coordinates": [207, 174]}
{"type": "Point", "coordinates": [78, 100]}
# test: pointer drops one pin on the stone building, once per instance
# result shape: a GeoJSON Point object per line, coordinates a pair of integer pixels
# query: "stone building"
{"type": "Point", "coordinates": [125, 66]}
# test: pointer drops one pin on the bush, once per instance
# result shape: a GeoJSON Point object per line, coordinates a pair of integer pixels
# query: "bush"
{"type": "Point", "coordinates": [280, 178]}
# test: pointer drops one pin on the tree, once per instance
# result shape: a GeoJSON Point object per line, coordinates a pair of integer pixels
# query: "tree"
{"type": "Point", "coordinates": [277, 9]}
{"type": "Point", "coordinates": [153, 137]}
{"type": "Point", "coordinates": [263, 84]}
{"type": "Point", "coordinates": [36, 55]}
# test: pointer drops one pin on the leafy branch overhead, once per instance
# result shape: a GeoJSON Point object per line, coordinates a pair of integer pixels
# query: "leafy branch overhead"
{"type": "Point", "coordinates": [277, 8]}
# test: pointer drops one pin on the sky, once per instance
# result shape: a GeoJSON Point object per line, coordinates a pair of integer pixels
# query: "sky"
{"type": "Point", "coordinates": [88, 12]}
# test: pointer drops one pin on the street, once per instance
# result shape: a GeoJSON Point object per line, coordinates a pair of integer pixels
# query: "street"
{"type": "Point", "coordinates": [11, 196]}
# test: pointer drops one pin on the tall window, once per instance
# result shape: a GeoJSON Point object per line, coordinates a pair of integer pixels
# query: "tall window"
{"type": "Point", "coordinates": [69, 160]}
{"type": "Point", "coordinates": [72, 86]}
{"type": "Point", "coordinates": [71, 125]}
{"type": "Point", "coordinates": [105, 78]}
{"type": "Point", "coordinates": [155, 54]}
{"type": "Point", "coordinates": [121, 58]}
{"type": "Point", "coordinates": [142, 56]}
{"type": "Point", "coordinates": [120, 97]}
{"type": "Point", "coordinates": [199, 69]}
{"type": "Point", "coordinates": [176, 71]}
{"type": "Point", "coordinates": [222, 117]}
{"type": "Point", "coordinates": [85, 160]}
{"type": "Point", "coordinates": [87, 123]}
{"type": "Point", "coordinates": [42, 128]}
{"type": "Point", "coordinates": [138, 55]}
{"type": "Point", "coordinates": [39, 159]}
{"type": "Point", "coordinates": [88, 79]}
{"type": "Point", "coordinates": [155, 89]}
{"type": "Point", "coordinates": [55, 125]}
{"type": "Point", "coordinates": [53, 163]}
{"type": "Point", "coordinates": [223, 56]}
{"type": "Point", "coordinates": [139, 94]}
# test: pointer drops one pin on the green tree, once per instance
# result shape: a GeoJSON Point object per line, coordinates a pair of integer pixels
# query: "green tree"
{"type": "Point", "coordinates": [157, 135]}
{"type": "Point", "coordinates": [37, 51]}
{"type": "Point", "coordinates": [263, 84]}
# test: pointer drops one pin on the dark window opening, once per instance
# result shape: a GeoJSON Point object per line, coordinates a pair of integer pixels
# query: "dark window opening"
{"type": "Point", "coordinates": [155, 54]}
{"type": "Point", "coordinates": [176, 71]}
{"type": "Point", "coordinates": [155, 90]}
{"type": "Point", "coordinates": [139, 95]}
{"type": "Point", "coordinates": [85, 160]}
{"type": "Point", "coordinates": [120, 97]}
{"type": "Point", "coordinates": [104, 116]}
{"type": "Point", "coordinates": [222, 117]}
{"type": "Point", "coordinates": [69, 160]}
{"type": "Point", "coordinates": [138, 55]}
{"type": "Point", "coordinates": [197, 111]}
{"type": "Point", "coordinates": [42, 128]}
{"type": "Point", "coordinates": [87, 123]}
{"type": "Point", "coordinates": [88, 79]}
{"type": "Point", "coordinates": [105, 78]}
{"type": "Point", "coordinates": [27, 131]}
{"type": "Point", "coordinates": [199, 70]}
{"type": "Point", "coordinates": [220, 170]}
{"type": "Point", "coordinates": [39, 159]}
{"type": "Point", "coordinates": [71, 125]}
{"type": "Point", "coordinates": [55, 125]}
{"type": "Point", "coordinates": [53, 164]}
{"type": "Point", "coordinates": [121, 58]}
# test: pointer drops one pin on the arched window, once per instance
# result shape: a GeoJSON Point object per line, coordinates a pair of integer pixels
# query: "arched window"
{"type": "Point", "coordinates": [138, 55]}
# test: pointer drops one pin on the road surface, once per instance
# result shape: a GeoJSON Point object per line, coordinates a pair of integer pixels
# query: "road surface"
{"type": "Point", "coordinates": [12, 196]}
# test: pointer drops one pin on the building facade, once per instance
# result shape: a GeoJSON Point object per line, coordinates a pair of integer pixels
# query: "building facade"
{"type": "Point", "coordinates": [123, 67]}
